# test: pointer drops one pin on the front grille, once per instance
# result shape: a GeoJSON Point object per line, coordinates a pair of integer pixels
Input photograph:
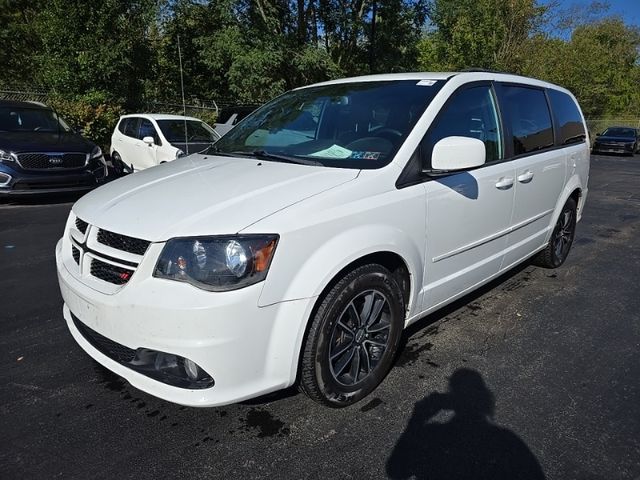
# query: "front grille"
{"type": "Point", "coordinates": [122, 242]}
{"type": "Point", "coordinates": [111, 349]}
{"type": "Point", "coordinates": [76, 254]}
{"type": "Point", "coordinates": [43, 161]}
{"type": "Point", "coordinates": [81, 225]}
{"type": "Point", "coordinates": [110, 273]}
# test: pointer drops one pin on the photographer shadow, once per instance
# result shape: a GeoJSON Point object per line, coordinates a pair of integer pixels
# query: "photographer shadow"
{"type": "Point", "coordinates": [467, 446]}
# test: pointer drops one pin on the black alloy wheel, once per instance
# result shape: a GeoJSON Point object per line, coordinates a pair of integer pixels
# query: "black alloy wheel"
{"type": "Point", "coordinates": [557, 250]}
{"type": "Point", "coordinates": [353, 337]}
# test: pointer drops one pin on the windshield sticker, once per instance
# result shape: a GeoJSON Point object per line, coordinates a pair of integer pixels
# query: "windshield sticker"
{"type": "Point", "coordinates": [356, 155]}
{"type": "Point", "coordinates": [334, 151]}
{"type": "Point", "coordinates": [426, 83]}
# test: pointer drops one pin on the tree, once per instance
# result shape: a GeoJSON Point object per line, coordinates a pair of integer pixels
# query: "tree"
{"type": "Point", "coordinates": [96, 48]}
{"type": "Point", "coordinates": [478, 33]}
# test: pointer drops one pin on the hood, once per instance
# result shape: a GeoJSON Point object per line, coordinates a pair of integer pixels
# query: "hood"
{"type": "Point", "coordinates": [44, 142]}
{"type": "Point", "coordinates": [610, 138]}
{"type": "Point", "coordinates": [200, 195]}
{"type": "Point", "coordinates": [192, 147]}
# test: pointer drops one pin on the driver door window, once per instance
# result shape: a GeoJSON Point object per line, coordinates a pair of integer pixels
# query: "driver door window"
{"type": "Point", "coordinates": [471, 113]}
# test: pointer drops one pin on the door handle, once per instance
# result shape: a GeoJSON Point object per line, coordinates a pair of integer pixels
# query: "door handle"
{"type": "Point", "coordinates": [504, 183]}
{"type": "Point", "coordinates": [526, 177]}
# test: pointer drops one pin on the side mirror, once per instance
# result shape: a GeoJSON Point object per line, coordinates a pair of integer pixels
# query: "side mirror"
{"type": "Point", "coordinates": [458, 153]}
{"type": "Point", "coordinates": [148, 140]}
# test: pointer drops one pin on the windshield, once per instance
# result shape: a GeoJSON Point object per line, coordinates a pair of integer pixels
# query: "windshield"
{"type": "Point", "coordinates": [620, 132]}
{"type": "Point", "coordinates": [30, 119]}
{"type": "Point", "coordinates": [353, 125]}
{"type": "Point", "coordinates": [197, 131]}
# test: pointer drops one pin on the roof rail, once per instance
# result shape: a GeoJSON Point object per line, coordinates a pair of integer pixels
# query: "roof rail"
{"type": "Point", "coordinates": [486, 70]}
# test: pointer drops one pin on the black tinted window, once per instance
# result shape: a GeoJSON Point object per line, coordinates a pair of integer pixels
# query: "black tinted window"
{"type": "Point", "coordinates": [567, 117]}
{"type": "Point", "coordinates": [131, 127]}
{"type": "Point", "coordinates": [470, 113]}
{"type": "Point", "coordinates": [122, 126]}
{"type": "Point", "coordinates": [148, 130]}
{"type": "Point", "coordinates": [528, 114]}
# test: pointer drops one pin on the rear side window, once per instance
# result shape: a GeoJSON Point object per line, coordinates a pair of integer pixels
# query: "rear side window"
{"type": "Point", "coordinates": [122, 126]}
{"type": "Point", "coordinates": [567, 117]}
{"type": "Point", "coordinates": [528, 115]}
{"type": "Point", "coordinates": [471, 113]}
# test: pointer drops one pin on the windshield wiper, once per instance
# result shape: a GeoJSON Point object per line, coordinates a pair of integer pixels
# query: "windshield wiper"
{"type": "Point", "coordinates": [262, 154]}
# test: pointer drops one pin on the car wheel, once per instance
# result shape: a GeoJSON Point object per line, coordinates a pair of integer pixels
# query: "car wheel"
{"type": "Point", "coordinates": [116, 162]}
{"type": "Point", "coordinates": [557, 249]}
{"type": "Point", "coordinates": [353, 337]}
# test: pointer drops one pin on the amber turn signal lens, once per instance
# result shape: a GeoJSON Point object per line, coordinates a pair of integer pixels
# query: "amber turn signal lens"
{"type": "Point", "coordinates": [262, 257]}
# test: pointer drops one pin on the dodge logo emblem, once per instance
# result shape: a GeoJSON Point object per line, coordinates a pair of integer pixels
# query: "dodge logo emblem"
{"type": "Point", "coordinates": [55, 160]}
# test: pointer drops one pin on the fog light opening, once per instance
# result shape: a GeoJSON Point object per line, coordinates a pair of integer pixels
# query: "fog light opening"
{"type": "Point", "coordinates": [191, 369]}
{"type": "Point", "coordinates": [171, 369]}
{"type": "Point", "coordinates": [4, 179]}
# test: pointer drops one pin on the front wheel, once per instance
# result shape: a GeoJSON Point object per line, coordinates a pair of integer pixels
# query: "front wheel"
{"type": "Point", "coordinates": [353, 337]}
{"type": "Point", "coordinates": [557, 249]}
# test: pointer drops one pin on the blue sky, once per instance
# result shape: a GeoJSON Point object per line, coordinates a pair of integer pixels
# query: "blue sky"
{"type": "Point", "coordinates": [629, 10]}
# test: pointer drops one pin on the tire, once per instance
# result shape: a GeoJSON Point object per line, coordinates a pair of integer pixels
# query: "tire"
{"type": "Point", "coordinates": [117, 163]}
{"type": "Point", "coordinates": [557, 250]}
{"type": "Point", "coordinates": [362, 347]}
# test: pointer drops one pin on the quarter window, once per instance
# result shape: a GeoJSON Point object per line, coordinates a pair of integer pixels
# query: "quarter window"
{"type": "Point", "coordinates": [528, 115]}
{"type": "Point", "coordinates": [567, 117]}
{"type": "Point", "coordinates": [470, 113]}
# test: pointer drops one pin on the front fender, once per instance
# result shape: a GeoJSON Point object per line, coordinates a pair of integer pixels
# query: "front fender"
{"type": "Point", "coordinates": [308, 278]}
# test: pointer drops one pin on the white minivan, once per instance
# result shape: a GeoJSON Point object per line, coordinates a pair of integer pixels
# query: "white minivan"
{"type": "Point", "coordinates": [143, 140]}
{"type": "Point", "coordinates": [298, 247]}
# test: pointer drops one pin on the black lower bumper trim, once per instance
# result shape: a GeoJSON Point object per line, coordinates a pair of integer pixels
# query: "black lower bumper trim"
{"type": "Point", "coordinates": [163, 367]}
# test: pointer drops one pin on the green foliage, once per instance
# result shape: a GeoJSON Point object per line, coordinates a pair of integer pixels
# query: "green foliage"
{"type": "Point", "coordinates": [478, 33]}
{"type": "Point", "coordinates": [92, 114]}
{"type": "Point", "coordinates": [104, 57]}
{"type": "Point", "coordinates": [599, 64]}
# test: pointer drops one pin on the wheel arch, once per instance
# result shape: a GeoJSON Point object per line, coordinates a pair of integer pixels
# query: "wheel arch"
{"type": "Point", "coordinates": [392, 261]}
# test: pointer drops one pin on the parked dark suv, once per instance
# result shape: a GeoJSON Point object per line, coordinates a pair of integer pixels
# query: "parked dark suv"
{"type": "Point", "coordinates": [39, 153]}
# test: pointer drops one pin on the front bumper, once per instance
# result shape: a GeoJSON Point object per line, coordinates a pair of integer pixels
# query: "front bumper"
{"type": "Point", "coordinates": [35, 182]}
{"type": "Point", "coordinates": [248, 350]}
{"type": "Point", "coordinates": [612, 148]}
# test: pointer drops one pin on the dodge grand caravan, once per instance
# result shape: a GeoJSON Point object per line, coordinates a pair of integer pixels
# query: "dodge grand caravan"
{"type": "Point", "coordinates": [297, 248]}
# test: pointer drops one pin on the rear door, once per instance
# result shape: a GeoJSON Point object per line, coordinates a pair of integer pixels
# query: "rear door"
{"type": "Point", "coordinates": [126, 146]}
{"type": "Point", "coordinates": [468, 213]}
{"type": "Point", "coordinates": [540, 167]}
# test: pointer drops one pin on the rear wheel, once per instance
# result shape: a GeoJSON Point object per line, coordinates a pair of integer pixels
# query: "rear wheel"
{"type": "Point", "coordinates": [353, 337]}
{"type": "Point", "coordinates": [561, 239]}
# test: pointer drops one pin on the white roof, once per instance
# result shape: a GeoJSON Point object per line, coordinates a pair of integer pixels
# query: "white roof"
{"type": "Point", "coordinates": [160, 116]}
{"type": "Point", "coordinates": [470, 76]}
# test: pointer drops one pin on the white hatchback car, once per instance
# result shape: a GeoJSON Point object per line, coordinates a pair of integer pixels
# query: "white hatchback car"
{"type": "Point", "coordinates": [298, 247]}
{"type": "Point", "coordinates": [141, 141]}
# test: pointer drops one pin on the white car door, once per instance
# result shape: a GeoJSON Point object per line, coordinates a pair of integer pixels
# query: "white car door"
{"type": "Point", "coordinates": [125, 144]}
{"type": "Point", "coordinates": [468, 213]}
{"type": "Point", "coordinates": [540, 168]}
{"type": "Point", "coordinates": [146, 154]}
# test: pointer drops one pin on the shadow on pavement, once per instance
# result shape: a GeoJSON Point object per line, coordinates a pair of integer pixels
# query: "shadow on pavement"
{"type": "Point", "coordinates": [469, 445]}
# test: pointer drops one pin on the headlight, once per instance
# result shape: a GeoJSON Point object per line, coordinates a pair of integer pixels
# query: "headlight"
{"type": "Point", "coordinates": [7, 156]}
{"type": "Point", "coordinates": [217, 263]}
{"type": "Point", "coordinates": [96, 152]}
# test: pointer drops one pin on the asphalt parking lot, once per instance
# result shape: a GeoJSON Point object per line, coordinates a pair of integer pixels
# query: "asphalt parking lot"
{"type": "Point", "coordinates": [535, 376]}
